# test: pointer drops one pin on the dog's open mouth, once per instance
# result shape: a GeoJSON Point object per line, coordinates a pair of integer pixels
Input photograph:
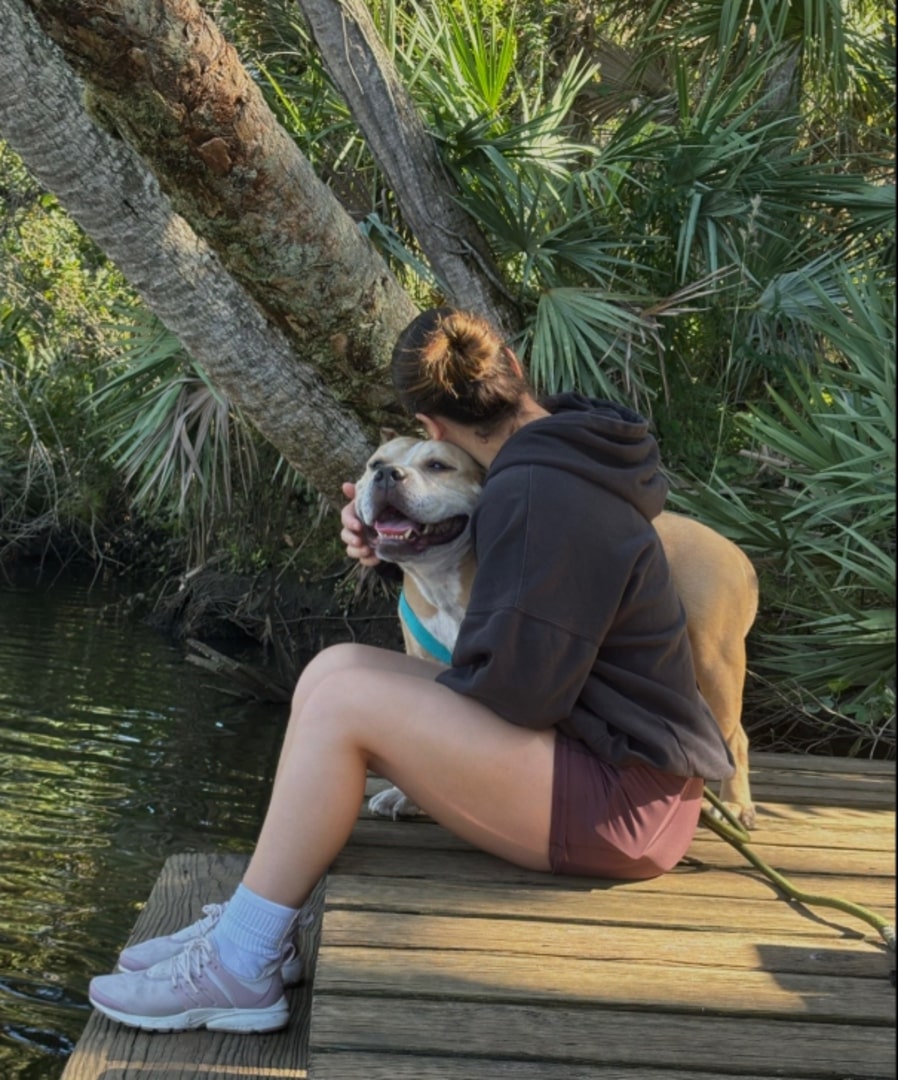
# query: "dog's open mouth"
{"type": "Point", "coordinates": [394, 536]}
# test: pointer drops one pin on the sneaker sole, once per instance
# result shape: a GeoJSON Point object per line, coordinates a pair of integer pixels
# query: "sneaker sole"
{"type": "Point", "coordinates": [238, 1021]}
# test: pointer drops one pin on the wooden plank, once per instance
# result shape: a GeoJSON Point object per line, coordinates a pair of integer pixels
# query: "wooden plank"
{"type": "Point", "coordinates": [704, 971]}
{"type": "Point", "coordinates": [735, 949]}
{"type": "Point", "coordinates": [492, 976]}
{"type": "Point", "coordinates": [114, 1052]}
{"type": "Point", "coordinates": [639, 1039]}
{"type": "Point", "coordinates": [874, 856]}
{"type": "Point", "coordinates": [373, 1066]}
{"type": "Point", "coordinates": [809, 781]}
{"type": "Point", "coordinates": [189, 1056]}
{"type": "Point", "coordinates": [764, 760]}
{"type": "Point", "coordinates": [796, 859]}
{"type": "Point", "coordinates": [818, 780]}
{"type": "Point", "coordinates": [707, 848]}
{"type": "Point", "coordinates": [843, 827]}
{"type": "Point", "coordinates": [757, 908]}
{"type": "Point", "coordinates": [698, 880]}
{"type": "Point", "coordinates": [371, 849]}
{"type": "Point", "coordinates": [810, 792]}
{"type": "Point", "coordinates": [819, 817]}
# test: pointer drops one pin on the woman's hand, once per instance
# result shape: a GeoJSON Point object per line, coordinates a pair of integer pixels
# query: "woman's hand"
{"type": "Point", "coordinates": [351, 533]}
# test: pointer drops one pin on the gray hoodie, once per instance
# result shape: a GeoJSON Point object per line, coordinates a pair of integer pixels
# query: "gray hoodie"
{"type": "Point", "coordinates": [573, 619]}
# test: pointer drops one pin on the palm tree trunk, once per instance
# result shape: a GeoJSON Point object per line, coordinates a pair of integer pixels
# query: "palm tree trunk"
{"type": "Point", "coordinates": [161, 75]}
{"type": "Point", "coordinates": [114, 197]}
{"type": "Point", "coordinates": [360, 68]}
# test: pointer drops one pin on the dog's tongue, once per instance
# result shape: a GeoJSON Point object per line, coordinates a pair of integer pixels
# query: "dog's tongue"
{"type": "Point", "coordinates": [391, 523]}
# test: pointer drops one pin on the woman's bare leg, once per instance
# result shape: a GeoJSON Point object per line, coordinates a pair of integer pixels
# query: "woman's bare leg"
{"type": "Point", "coordinates": [348, 659]}
{"type": "Point", "coordinates": [485, 779]}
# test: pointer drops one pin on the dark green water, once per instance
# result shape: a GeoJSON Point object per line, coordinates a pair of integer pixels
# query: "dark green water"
{"type": "Point", "coordinates": [114, 754]}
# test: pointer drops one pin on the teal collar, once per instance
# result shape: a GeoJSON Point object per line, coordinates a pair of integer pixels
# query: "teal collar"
{"type": "Point", "coordinates": [421, 634]}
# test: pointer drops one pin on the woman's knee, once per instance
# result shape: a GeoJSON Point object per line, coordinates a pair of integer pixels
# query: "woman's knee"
{"type": "Point", "coordinates": [339, 689]}
{"type": "Point", "coordinates": [334, 712]}
{"type": "Point", "coordinates": [344, 658]}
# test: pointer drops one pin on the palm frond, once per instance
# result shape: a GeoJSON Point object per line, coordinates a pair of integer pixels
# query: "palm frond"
{"type": "Point", "coordinates": [830, 438]}
{"type": "Point", "coordinates": [584, 338]}
{"type": "Point", "coordinates": [169, 429]}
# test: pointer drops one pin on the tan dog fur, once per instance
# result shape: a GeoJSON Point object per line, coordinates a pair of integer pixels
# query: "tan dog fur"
{"type": "Point", "coordinates": [426, 481]}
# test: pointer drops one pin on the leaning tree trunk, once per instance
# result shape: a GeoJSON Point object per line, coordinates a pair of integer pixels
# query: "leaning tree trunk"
{"type": "Point", "coordinates": [160, 75]}
{"type": "Point", "coordinates": [117, 201]}
{"type": "Point", "coordinates": [362, 71]}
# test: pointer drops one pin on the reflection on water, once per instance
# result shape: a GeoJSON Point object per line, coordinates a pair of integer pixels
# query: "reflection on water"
{"type": "Point", "coordinates": [114, 754]}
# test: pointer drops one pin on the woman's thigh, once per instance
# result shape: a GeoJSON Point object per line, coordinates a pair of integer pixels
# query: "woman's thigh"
{"type": "Point", "coordinates": [484, 778]}
{"type": "Point", "coordinates": [348, 660]}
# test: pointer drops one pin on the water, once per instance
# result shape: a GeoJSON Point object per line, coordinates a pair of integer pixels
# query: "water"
{"type": "Point", "coordinates": [114, 753]}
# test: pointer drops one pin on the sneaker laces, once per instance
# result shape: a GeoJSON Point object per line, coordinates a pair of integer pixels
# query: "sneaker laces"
{"type": "Point", "coordinates": [189, 965]}
{"type": "Point", "coordinates": [213, 913]}
{"type": "Point", "coordinates": [304, 918]}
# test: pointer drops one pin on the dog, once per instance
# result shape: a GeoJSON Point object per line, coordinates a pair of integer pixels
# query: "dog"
{"type": "Point", "coordinates": [415, 502]}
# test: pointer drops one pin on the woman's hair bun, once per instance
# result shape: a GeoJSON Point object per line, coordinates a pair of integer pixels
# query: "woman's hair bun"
{"type": "Point", "coordinates": [461, 349]}
{"type": "Point", "coordinates": [455, 364]}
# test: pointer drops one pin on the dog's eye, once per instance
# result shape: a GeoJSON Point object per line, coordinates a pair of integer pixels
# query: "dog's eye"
{"type": "Point", "coordinates": [439, 466]}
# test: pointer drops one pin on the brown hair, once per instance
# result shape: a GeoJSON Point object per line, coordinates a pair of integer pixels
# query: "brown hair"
{"type": "Point", "coordinates": [454, 364]}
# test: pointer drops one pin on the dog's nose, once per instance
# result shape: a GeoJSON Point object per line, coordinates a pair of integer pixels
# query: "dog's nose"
{"type": "Point", "coordinates": [389, 475]}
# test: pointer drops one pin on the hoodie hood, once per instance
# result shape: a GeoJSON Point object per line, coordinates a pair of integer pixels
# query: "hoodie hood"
{"type": "Point", "coordinates": [599, 441]}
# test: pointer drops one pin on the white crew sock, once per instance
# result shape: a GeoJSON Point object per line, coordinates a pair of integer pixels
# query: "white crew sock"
{"type": "Point", "coordinates": [251, 933]}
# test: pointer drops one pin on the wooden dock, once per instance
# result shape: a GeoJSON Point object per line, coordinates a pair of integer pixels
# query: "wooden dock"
{"type": "Point", "coordinates": [432, 960]}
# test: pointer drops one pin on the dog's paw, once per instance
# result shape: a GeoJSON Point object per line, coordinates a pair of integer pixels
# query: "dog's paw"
{"type": "Point", "coordinates": [745, 815]}
{"type": "Point", "coordinates": [736, 797]}
{"type": "Point", "coordinates": [392, 803]}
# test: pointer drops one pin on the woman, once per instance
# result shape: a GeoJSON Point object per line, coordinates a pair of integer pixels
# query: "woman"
{"type": "Point", "coordinates": [568, 734]}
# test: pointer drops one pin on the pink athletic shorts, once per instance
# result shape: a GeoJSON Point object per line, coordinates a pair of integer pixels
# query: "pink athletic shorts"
{"type": "Point", "coordinates": [631, 822]}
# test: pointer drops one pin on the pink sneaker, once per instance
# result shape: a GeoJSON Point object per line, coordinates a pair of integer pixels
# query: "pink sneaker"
{"type": "Point", "coordinates": [192, 989]}
{"type": "Point", "coordinates": [147, 953]}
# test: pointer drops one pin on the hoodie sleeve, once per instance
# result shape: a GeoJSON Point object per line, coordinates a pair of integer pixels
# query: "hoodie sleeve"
{"type": "Point", "coordinates": [539, 609]}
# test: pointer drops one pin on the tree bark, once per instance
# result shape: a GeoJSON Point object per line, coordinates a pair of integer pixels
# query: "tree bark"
{"type": "Point", "coordinates": [364, 74]}
{"type": "Point", "coordinates": [117, 201]}
{"type": "Point", "coordinates": [161, 75]}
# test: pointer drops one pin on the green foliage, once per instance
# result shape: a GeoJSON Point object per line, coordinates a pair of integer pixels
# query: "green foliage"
{"type": "Point", "coordinates": [692, 205]}
{"type": "Point", "coordinates": [616, 159]}
{"type": "Point", "coordinates": [168, 427]}
{"type": "Point", "coordinates": [109, 433]}
{"type": "Point", "coordinates": [188, 459]}
{"type": "Point", "coordinates": [820, 515]}
{"type": "Point", "coordinates": [55, 286]}
{"type": "Point", "coordinates": [56, 291]}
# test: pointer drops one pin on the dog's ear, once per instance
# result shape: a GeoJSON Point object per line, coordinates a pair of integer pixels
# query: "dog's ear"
{"type": "Point", "coordinates": [387, 434]}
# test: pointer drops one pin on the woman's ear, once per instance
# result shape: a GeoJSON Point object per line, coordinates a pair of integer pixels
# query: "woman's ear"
{"type": "Point", "coordinates": [435, 430]}
{"type": "Point", "coordinates": [516, 366]}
